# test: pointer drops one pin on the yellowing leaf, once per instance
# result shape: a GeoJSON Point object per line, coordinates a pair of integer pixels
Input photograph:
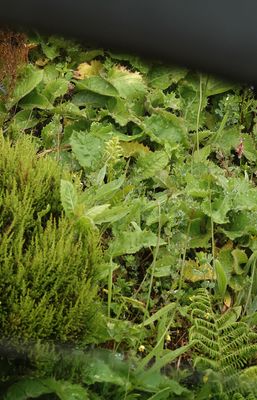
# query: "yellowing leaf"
{"type": "Point", "coordinates": [227, 300]}
{"type": "Point", "coordinates": [195, 272]}
{"type": "Point", "coordinates": [130, 85]}
{"type": "Point", "coordinates": [133, 148]}
{"type": "Point", "coordinates": [88, 69]}
{"type": "Point", "coordinates": [41, 62]}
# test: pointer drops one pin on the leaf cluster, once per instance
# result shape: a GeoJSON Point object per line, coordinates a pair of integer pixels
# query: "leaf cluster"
{"type": "Point", "coordinates": [159, 201]}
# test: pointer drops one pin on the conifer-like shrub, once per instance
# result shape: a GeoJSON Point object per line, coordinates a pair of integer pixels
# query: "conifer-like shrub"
{"type": "Point", "coordinates": [47, 267]}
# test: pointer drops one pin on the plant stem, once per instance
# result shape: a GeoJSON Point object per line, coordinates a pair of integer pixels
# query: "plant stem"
{"type": "Point", "coordinates": [109, 289]}
{"type": "Point", "coordinates": [199, 113]}
{"type": "Point", "coordinates": [154, 261]}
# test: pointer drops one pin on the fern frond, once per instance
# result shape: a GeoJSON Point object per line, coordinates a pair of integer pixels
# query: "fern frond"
{"type": "Point", "coordinates": [223, 344]}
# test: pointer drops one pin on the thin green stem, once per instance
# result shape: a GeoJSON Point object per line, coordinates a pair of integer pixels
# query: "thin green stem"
{"type": "Point", "coordinates": [199, 112]}
{"type": "Point", "coordinates": [109, 289]}
{"type": "Point", "coordinates": [221, 127]}
{"type": "Point", "coordinates": [154, 260]}
{"type": "Point", "coordinates": [155, 350]}
{"type": "Point", "coordinates": [212, 231]}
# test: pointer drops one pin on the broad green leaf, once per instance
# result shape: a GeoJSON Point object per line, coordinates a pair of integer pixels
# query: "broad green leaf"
{"type": "Point", "coordinates": [226, 259]}
{"type": "Point", "coordinates": [89, 55]}
{"type": "Point", "coordinates": [218, 209]}
{"type": "Point", "coordinates": [239, 257]}
{"type": "Point", "coordinates": [71, 391]}
{"type": "Point", "coordinates": [217, 86]}
{"type": "Point", "coordinates": [221, 278]}
{"type": "Point", "coordinates": [122, 330]}
{"type": "Point", "coordinates": [51, 132]}
{"type": "Point", "coordinates": [51, 51]}
{"type": "Point", "coordinates": [108, 131]}
{"type": "Point", "coordinates": [88, 149]}
{"type": "Point", "coordinates": [189, 91]}
{"type": "Point", "coordinates": [50, 73]}
{"type": "Point", "coordinates": [102, 372]}
{"type": "Point", "coordinates": [27, 389]}
{"type": "Point", "coordinates": [35, 387]}
{"type": "Point", "coordinates": [163, 266]}
{"type": "Point", "coordinates": [165, 128]}
{"type": "Point", "coordinates": [162, 272]}
{"type": "Point", "coordinates": [155, 100]}
{"type": "Point", "coordinates": [162, 77]}
{"type": "Point", "coordinates": [202, 154]}
{"type": "Point", "coordinates": [69, 197]}
{"type": "Point", "coordinates": [243, 195]}
{"type": "Point", "coordinates": [163, 394]}
{"type": "Point", "coordinates": [96, 211]}
{"type": "Point", "coordinates": [241, 224]}
{"type": "Point", "coordinates": [135, 61]}
{"type": "Point", "coordinates": [237, 283]}
{"type": "Point", "coordinates": [35, 99]}
{"type": "Point", "coordinates": [70, 110]}
{"type": "Point", "coordinates": [106, 367]}
{"type": "Point", "coordinates": [90, 99]}
{"type": "Point", "coordinates": [103, 193]}
{"type": "Point", "coordinates": [200, 231]}
{"type": "Point", "coordinates": [129, 85]}
{"type": "Point", "coordinates": [111, 215]}
{"type": "Point", "coordinates": [97, 84]}
{"type": "Point", "coordinates": [198, 188]}
{"type": "Point", "coordinates": [172, 101]}
{"type": "Point", "coordinates": [131, 242]}
{"type": "Point", "coordinates": [249, 149]}
{"type": "Point", "coordinates": [28, 80]}
{"type": "Point", "coordinates": [66, 390]}
{"type": "Point", "coordinates": [149, 164]}
{"type": "Point", "coordinates": [56, 88]}
{"type": "Point", "coordinates": [23, 120]}
{"type": "Point", "coordinates": [122, 111]}
{"type": "Point", "coordinates": [164, 387]}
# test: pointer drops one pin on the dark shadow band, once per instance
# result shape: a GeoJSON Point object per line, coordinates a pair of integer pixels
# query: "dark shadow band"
{"type": "Point", "coordinates": [215, 36]}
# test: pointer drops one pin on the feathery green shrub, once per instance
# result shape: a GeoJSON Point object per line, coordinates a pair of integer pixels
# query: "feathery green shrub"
{"type": "Point", "coordinates": [47, 267]}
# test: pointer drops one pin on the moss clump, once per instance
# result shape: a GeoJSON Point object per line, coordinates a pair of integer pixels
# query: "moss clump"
{"type": "Point", "coordinates": [47, 267]}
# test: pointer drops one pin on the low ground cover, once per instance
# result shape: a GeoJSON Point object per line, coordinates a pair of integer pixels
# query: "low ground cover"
{"type": "Point", "coordinates": [128, 222]}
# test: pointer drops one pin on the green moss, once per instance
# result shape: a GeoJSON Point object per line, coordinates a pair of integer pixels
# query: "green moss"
{"type": "Point", "coordinates": [47, 267]}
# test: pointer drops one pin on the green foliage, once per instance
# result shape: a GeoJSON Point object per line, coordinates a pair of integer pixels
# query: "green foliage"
{"type": "Point", "coordinates": [222, 343]}
{"type": "Point", "coordinates": [159, 201]}
{"type": "Point", "coordinates": [47, 265]}
{"type": "Point", "coordinates": [34, 388]}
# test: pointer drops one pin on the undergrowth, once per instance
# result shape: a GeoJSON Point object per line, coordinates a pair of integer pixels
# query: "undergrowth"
{"type": "Point", "coordinates": [128, 223]}
{"type": "Point", "coordinates": [48, 266]}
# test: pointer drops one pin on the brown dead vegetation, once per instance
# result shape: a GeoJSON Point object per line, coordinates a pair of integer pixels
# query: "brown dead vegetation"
{"type": "Point", "coordinates": [13, 54]}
